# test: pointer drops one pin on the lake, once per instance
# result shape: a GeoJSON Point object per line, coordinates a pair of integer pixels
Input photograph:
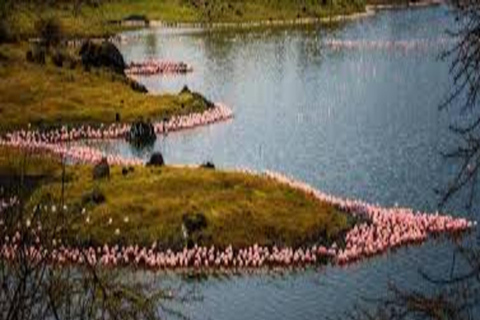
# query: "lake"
{"type": "Point", "coordinates": [350, 109]}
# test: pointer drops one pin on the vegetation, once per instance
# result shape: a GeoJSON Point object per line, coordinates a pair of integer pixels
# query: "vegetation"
{"type": "Point", "coordinates": [36, 288]}
{"type": "Point", "coordinates": [148, 204]}
{"type": "Point", "coordinates": [48, 95]}
{"type": "Point", "coordinates": [96, 18]}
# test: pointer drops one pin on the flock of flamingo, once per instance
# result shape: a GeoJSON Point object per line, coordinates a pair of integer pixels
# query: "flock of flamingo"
{"type": "Point", "coordinates": [383, 229]}
{"type": "Point", "coordinates": [398, 45]}
{"type": "Point", "coordinates": [152, 67]}
{"type": "Point", "coordinates": [56, 141]}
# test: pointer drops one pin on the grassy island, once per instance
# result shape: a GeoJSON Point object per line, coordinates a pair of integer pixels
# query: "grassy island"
{"type": "Point", "coordinates": [150, 204]}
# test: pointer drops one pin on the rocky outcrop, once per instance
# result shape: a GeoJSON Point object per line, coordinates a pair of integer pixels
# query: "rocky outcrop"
{"type": "Point", "coordinates": [104, 55]}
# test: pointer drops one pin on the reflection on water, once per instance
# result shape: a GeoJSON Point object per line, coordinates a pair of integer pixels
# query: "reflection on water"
{"type": "Point", "coordinates": [355, 123]}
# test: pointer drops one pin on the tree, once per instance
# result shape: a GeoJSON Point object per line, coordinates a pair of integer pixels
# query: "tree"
{"type": "Point", "coordinates": [456, 296]}
{"type": "Point", "coordinates": [35, 287]}
{"type": "Point", "coordinates": [465, 70]}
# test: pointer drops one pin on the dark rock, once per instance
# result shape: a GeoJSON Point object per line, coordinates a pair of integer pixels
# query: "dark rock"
{"type": "Point", "coordinates": [194, 222]}
{"type": "Point", "coordinates": [94, 197]}
{"type": "Point", "coordinates": [141, 133]}
{"type": "Point", "coordinates": [124, 171]}
{"type": "Point", "coordinates": [101, 170]}
{"type": "Point", "coordinates": [208, 165]}
{"type": "Point", "coordinates": [104, 55]}
{"type": "Point", "coordinates": [156, 160]}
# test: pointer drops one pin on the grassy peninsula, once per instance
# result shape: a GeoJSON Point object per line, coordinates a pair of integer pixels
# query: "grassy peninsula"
{"type": "Point", "coordinates": [49, 95]}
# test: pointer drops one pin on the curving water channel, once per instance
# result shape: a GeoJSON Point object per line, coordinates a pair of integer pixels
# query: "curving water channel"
{"type": "Point", "coordinates": [352, 110]}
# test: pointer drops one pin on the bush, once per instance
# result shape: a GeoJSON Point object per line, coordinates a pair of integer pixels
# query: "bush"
{"type": "Point", "coordinates": [208, 165]}
{"type": "Point", "coordinates": [142, 133]}
{"type": "Point", "coordinates": [101, 170]}
{"type": "Point", "coordinates": [49, 31]}
{"type": "Point", "coordinates": [104, 55]}
{"type": "Point", "coordinates": [194, 222]}
{"type": "Point", "coordinates": [156, 160]}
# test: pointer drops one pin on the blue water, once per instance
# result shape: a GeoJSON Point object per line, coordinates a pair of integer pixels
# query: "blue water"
{"type": "Point", "coordinates": [360, 122]}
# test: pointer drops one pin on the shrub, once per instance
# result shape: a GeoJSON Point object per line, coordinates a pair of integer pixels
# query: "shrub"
{"type": "Point", "coordinates": [49, 30]}
{"type": "Point", "coordinates": [142, 133]}
{"type": "Point", "coordinates": [104, 55]}
{"type": "Point", "coordinates": [208, 165]}
{"type": "Point", "coordinates": [101, 170]}
{"type": "Point", "coordinates": [194, 222]}
{"type": "Point", "coordinates": [156, 160]}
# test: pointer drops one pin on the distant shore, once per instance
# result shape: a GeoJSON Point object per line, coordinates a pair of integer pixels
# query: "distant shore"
{"type": "Point", "coordinates": [409, 4]}
{"type": "Point", "coordinates": [370, 10]}
{"type": "Point", "coordinates": [272, 22]}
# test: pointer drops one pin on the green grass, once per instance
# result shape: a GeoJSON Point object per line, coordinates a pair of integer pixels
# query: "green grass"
{"type": "Point", "coordinates": [48, 95]}
{"type": "Point", "coordinates": [231, 10]}
{"type": "Point", "coordinates": [240, 209]}
{"type": "Point", "coordinates": [90, 21]}
{"type": "Point", "coordinates": [14, 162]}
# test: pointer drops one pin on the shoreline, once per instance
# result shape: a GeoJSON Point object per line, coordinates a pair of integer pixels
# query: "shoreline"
{"type": "Point", "coordinates": [56, 141]}
{"type": "Point", "coordinates": [381, 228]}
{"type": "Point", "coordinates": [370, 10]}
{"type": "Point", "coordinates": [416, 228]}
{"type": "Point", "coordinates": [261, 23]}
{"type": "Point", "coordinates": [409, 4]}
